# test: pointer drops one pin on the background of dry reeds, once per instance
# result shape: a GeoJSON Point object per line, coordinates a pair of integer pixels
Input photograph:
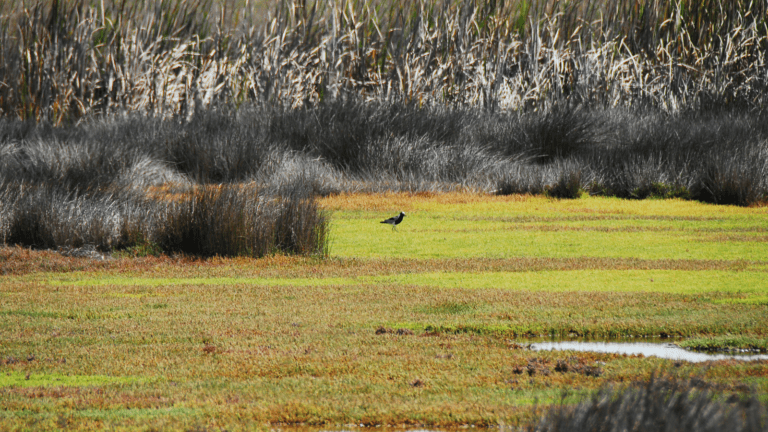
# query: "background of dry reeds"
{"type": "Point", "coordinates": [631, 98]}
{"type": "Point", "coordinates": [62, 60]}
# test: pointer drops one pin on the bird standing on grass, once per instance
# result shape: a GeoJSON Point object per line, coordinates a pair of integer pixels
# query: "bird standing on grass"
{"type": "Point", "coordinates": [394, 220]}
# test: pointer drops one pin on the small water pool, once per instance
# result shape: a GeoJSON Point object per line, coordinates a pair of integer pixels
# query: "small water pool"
{"type": "Point", "coordinates": [660, 350]}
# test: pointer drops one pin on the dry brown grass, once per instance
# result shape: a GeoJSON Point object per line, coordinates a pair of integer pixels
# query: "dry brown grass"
{"type": "Point", "coordinates": [63, 62]}
{"type": "Point", "coordinates": [405, 201]}
{"type": "Point", "coordinates": [18, 261]}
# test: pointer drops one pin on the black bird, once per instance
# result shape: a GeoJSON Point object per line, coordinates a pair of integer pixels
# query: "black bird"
{"type": "Point", "coordinates": [394, 220]}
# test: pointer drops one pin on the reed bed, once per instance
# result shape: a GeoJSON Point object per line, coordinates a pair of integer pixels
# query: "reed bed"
{"type": "Point", "coordinates": [62, 60]}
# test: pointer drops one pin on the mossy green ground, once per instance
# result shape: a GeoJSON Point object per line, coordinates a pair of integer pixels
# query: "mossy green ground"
{"type": "Point", "coordinates": [17, 379]}
{"type": "Point", "coordinates": [241, 343]}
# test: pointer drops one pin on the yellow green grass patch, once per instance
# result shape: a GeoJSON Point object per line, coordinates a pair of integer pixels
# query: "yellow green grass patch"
{"type": "Point", "coordinates": [531, 206]}
{"type": "Point", "coordinates": [541, 227]}
{"type": "Point", "coordinates": [670, 281]}
{"type": "Point", "coordinates": [30, 379]}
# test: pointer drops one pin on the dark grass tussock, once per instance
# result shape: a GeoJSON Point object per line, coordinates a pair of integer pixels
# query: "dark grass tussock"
{"type": "Point", "coordinates": [92, 185]}
{"type": "Point", "coordinates": [239, 220]}
{"type": "Point", "coordinates": [660, 404]}
{"type": "Point", "coordinates": [206, 221]}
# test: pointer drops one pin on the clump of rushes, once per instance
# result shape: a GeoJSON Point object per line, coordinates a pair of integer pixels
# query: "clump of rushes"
{"type": "Point", "coordinates": [660, 404]}
{"type": "Point", "coordinates": [231, 220]}
{"type": "Point", "coordinates": [228, 220]}
{"type": "Point", "coordinates": [568, 185]}
{"type": "Point", "coordinates": [714, 156]}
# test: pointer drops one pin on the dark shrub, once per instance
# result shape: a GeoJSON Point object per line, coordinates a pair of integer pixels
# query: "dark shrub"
{"type": "Point", "coordinates": [29, 224]}
{"type": "Point", "coordinates": [46, 217]}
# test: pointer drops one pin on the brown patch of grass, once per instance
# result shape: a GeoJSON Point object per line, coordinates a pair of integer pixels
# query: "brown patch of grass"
{"type": "Point", "coordinates": [417, 383]}
{"type": "Point", "coordinates": [16, 261]}
{"type": "Point", "coordinates": [354, 267]}
{"type": "Point", "coordinates": [537, 366]}
{"type": "Point", "coordinates": [725, 238]}
{"type": "Point", "coordinates": [400, 332]}
{"type": "Point", "coordinates": [596, 228]}
{"type": "Point", "coordinates": [405, 201]}
{"type": "Point", "coordinates": [210, 349]}
{"type": "Point", "coordinates": [561, 228]}
{"type": "Point", "coordinates": [576, 365]}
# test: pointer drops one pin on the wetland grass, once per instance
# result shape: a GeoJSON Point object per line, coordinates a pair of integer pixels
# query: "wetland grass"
{"type": "Point", "coordinates": [245, 343]}
{"type": "Point", "coordinates": [203, 130]}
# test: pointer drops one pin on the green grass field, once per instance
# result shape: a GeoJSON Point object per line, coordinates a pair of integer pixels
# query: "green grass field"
{"type": "Point", "coordinates": [179, 343]}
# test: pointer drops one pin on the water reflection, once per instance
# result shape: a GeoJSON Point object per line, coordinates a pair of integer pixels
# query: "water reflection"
{"type": "Point", "coordinates": [665, 351]}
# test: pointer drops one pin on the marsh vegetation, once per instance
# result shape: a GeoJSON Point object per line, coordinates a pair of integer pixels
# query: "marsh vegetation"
{"type": "Point", "coordinates": [167, 135]}
{"type": "Point", "coordinates": [101, 103]}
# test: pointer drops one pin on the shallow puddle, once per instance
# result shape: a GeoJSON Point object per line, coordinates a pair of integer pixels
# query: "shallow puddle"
{"type": "Point", "coordinates": [660, 350]}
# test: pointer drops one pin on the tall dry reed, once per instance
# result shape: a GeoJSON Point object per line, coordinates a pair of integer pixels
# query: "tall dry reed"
{"type": "Point", "coordinates": [60, 61]}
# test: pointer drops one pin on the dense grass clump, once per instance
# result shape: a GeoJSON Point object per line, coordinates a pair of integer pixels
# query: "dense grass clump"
{"type": "Point", "coordinates": [239, 220]}
{"type": "Point", "coordinates": [660, 404]}
{"type": "Point", "coordinates": [206, 221]}
{"type": "Point", "coordinates": [46, 218]}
